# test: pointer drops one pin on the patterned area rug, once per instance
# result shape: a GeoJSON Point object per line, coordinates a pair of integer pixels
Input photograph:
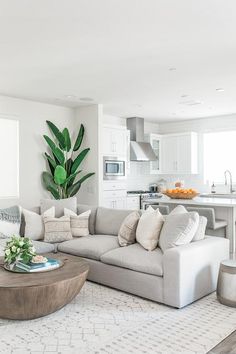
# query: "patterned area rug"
{"type": "Point", "coordinates": [103, 320]}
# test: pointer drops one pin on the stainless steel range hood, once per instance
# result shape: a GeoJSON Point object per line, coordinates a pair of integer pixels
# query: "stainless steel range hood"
{"type": "Point", "coordinates": [139, 149]}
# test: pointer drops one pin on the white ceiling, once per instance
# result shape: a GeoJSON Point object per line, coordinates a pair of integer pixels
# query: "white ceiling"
{"type": "Point", "coordinates": [137, 57]}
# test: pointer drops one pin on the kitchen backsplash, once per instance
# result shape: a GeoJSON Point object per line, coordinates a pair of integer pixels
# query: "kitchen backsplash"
{"type": "Point", "coordinates": [140, 178]}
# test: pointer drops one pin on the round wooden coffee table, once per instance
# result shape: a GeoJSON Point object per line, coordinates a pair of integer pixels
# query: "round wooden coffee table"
{"type": "Point", "coordinates": [28, 296]}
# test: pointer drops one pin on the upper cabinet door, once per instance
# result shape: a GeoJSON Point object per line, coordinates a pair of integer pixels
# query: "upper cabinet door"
{"type": "Point", "coordinates": [155, 141]}
{"type": "Point", "coordinates": [114, 141]}
{"type": "Point", "coordinates": [169, 154]}
{"type": "Point", "coordinates": [179, 154]}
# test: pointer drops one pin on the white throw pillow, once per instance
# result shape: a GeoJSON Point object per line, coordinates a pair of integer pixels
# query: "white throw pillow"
{"type": "Point", "coordinates": [180, 209]}
{"type": "Point", "coordinates": [79, 223]}
{"type": "Point", "coordinates": [34, 225]}
{"type": "Point", "coordinates": [149, 228]}
{"type": "Point", "coordinates": [178, 229]}
{"type": "Point", "coordinates": [201, 230]}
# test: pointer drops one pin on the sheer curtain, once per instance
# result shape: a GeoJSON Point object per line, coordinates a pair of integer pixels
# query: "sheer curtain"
{"type": "Point", "coordinates": [219, 155]}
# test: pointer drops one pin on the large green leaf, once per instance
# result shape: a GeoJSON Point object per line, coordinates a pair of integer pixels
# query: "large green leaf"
{"type": "Point", "coordinates": [51, 163]}
{"type": "Point", "coordinates": [79, 159]}
{"type": "Point", "coordinates": [59, 175]}
{"type": "Point", "coordinates": [86, 176]}
{"type": "Point", "coordinates": [70, 180]}
{"type": "Point", "coordinates": [50, 185]}
{"type": "Point", "coordinates": [59, 155]}
{"type": "Point", "coordinates": [79, 138]}
{"type": "Point", "coordinates": [50, 142]}
{"type": "Point", "coordinates": [66, 135]}
{"type": "Point", "coordinates": [56, 132]}
{"type": "Point", "coordinates": [68, 166]}
{"type": "Point", "coordinates": [72, 190]}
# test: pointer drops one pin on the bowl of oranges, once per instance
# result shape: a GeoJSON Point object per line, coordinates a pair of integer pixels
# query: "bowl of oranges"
{"type": "Point", "coordinates": [180, 193]}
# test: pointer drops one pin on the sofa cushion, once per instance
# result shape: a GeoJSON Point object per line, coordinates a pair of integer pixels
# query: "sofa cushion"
{"type": "Point", "coordinates": [135, 257]}
{"type": "Point", "coordinates": [108, 221]}
{"type": "Point", "coordinates": [40, 247]}
{"type": "Point", "coordinates": [81, 208]}
{"type": "Point", "coordinates": [60, 204]}
{"type": "Point", "coordinates": [90, 246]}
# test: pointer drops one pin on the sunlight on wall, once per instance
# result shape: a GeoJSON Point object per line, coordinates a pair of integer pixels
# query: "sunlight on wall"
{"type": "Point", "coordinates": [219, 155]}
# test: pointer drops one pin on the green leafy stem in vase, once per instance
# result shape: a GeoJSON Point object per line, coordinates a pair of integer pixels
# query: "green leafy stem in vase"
{"type": "Point", "coordinates": [19, 249]}
{"type": "Point", "coordinates": [64, 161]}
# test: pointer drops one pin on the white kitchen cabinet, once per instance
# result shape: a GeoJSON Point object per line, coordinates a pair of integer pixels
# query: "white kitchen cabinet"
{"type": "Point", "coordinates": [133, 202]}
{"type": "Point", "coordinates": [115, 203]}
{"type": "Point", "coordinates": [155, 141]}
{"type": "Point", "coordinates": [179, 154]}
{"type": "Point", "coordinates": [114, 141]}
{"type": "Point", "coordinates": [114, 194]}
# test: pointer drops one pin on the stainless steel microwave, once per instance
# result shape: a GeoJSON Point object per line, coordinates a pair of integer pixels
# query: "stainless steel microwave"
{"type": "Point", "coordinates": [113, 168]}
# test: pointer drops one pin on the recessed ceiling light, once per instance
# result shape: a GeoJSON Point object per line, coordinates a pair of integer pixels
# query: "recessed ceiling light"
{"type": "Point", "coordinates": [70, 97]}
{"type": "Point", "coordinates": [86, 99]}
{"type": "Point", "coordinates": [220, 89]}
{"type": "Point", "coordinates": [172, 69]}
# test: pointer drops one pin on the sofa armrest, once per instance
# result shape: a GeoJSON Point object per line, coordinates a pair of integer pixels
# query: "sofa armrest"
{"type": "Point", "coordinates": [191, 271]}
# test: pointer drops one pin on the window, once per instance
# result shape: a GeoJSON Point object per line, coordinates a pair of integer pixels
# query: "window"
{"type": "Point", "coordinates": [219, 155]}
{"type": "Point", "coordinates": [9, 159]}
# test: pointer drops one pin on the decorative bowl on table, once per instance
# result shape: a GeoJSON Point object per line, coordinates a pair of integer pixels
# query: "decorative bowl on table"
{"type": "Point", "coordinates": [179, 193]}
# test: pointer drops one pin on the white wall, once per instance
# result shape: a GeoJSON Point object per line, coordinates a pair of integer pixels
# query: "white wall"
{"type": "Point", "coordinates": [92, 118]}
{"type": "Point", "coordinates": [32, 118]}
{"type": "Point", "coordinates": [200, 126]}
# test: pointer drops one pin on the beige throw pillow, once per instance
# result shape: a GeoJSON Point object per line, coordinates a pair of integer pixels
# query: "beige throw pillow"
{"type": "Point", "coordinates": [79, 224]}
{"type": "Point", "coordinates": [34, 226]}
{"type": "Point", "coordinates": [127, 232]}
{"type": "Point", "coordinates": [178, 229]}
{"type": "Point", "coordinates": [149, 228]}
{"type": "Point", "coordinates": [57, 229]}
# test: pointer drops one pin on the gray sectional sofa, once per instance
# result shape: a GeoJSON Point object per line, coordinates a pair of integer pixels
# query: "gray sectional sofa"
{"type": "Point", "coordinates": [177, 278]}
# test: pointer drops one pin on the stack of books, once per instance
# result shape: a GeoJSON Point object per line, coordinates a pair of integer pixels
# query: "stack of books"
{"type": "Point", "coordinates": [39, 267]}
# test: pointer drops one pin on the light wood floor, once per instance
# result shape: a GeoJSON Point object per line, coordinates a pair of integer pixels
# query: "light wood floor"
{"type": "Point", "coordinates": [227, 346]}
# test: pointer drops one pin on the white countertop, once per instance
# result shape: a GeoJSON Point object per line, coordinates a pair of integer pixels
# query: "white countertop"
{"type": "Point", "coordinates": [222, 202]}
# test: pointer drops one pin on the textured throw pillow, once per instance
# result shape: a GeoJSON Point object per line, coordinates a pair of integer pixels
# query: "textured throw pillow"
{"type": "Point", "coordinates": [178, 229]}
{"type": "Point", "coordinates": [127, 232]}
{"type": "Point", "coordinates": [201, 230]}
{"type": "Point", "coordinates": [69, 203]}
{"type": "Point", "coordinates": [79, 224]}
{"type": "Point", "coordinates": [34, 226]}
{"type": "Point", "coordinates": [149, 228]}
{"type": "Point", "coordinates": [57, 229]}
{"type": "Point", "coordinates": [10, 220]}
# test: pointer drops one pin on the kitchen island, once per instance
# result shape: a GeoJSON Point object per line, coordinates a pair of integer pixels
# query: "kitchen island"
{"type": "Point", "coordinates": [225, 208]}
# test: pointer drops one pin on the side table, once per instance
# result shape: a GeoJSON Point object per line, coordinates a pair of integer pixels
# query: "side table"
{"type": "Point", "coordinates": [226, 286]}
